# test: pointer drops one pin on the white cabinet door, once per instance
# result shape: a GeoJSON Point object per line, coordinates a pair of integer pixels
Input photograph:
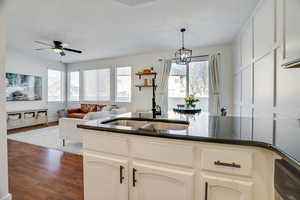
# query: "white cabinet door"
{"type": "Point", "coordinates": [152, 182]}
{"type": "Point", "coordinates": [246, 46]}
{"type": "Point", "coordinates": [291, 30]}
{"type": "Point", "coordinates": [264, 28]}
{"type": "Point", "coordinates": [237, 89]}
{"type": "Point", "coordinates": [264, 83]}
{"type": "Point", "coordinates": [216, 188]}
{"type": "Point", "coordinates": [247, 86]}
{"type": "Point", "coordinates": [105, 178]}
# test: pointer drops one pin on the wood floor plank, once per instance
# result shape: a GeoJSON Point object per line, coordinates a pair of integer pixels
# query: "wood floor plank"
{"type": "Point", "coordinates": [38, 173]}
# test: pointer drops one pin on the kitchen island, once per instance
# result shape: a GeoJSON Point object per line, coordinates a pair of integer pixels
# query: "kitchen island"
{"type": "Point", "coordinates": [180, 157]}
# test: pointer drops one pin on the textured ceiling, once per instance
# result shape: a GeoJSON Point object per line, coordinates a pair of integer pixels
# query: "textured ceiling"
{"type": "Point", "coordinates": [107, 28]}
{"type": "Point", "coordinates": [134, 2]}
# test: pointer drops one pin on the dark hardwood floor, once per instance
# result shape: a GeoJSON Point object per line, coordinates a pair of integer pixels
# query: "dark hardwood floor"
{"type": "Point", "coordinates": [38, 173]}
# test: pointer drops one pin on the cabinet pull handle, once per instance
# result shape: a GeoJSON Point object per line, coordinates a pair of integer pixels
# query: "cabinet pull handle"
{"type": "Point", "coordinates": [121, 174]}
{"type": "Point", "coordinates": [133, 177]}
{"type": "Point", "coordinates": [206, 191]}
{"type": "Point", "coordinates": [227, 164]}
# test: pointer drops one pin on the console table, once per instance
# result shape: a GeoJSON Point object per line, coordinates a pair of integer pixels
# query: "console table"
{"type": "Point", "coordinates": [25, 118]}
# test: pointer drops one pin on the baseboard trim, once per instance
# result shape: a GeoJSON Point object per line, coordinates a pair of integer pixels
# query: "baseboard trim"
{"type": "Point", "coordinates": [8, 197]}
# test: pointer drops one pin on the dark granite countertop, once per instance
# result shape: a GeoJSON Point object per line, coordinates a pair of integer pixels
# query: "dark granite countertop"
{"type": "Point", "coordinates": [284, 139]}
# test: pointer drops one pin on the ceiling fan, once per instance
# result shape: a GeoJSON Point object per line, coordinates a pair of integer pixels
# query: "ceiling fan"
{"type": "Point", "coordinates": [57, 46]}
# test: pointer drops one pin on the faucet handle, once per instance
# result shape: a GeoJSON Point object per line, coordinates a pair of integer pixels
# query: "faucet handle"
{"type": "Point", "coordinates": [158, 107]}
{"type": "Point", "coordinates": [224, 111]}
{"type": "Point", "coordinates": [158, 110]}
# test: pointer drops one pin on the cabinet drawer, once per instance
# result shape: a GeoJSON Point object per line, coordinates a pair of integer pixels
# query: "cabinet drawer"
{"type": "Point", "coordinates": [105, 143]}
{"type": "Point", "coordinates": [227, 161]}
{"type": "Point", "coordinates": [170, 153]}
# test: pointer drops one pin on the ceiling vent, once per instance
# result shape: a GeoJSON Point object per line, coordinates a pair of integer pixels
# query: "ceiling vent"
{"type": "Point", "coordinates": [134, 2]}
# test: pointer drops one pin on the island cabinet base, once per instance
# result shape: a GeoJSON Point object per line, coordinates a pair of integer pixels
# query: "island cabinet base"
{"type": "Point", "coordinates": [133, 167]}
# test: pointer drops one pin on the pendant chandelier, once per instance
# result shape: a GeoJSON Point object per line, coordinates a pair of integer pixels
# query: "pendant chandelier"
{"type": "Point", "coordinates": [183, 56]}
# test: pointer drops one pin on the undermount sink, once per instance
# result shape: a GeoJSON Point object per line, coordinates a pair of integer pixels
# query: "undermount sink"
{"type": "Point", "coordinates": [150, 125]}
{"type": "Point", "coordinates": [130, 123]}
{"type": "Point", "coordinates": [164, 126]}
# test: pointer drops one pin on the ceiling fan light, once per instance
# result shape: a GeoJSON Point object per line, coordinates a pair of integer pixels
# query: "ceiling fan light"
{"type": "Point", "coordinates": [56, 50]}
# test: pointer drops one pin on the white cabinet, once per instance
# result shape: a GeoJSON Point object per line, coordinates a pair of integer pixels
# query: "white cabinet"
{"type": "Point", "coordinates": [246, 46]}
{"type": "Point", "coordinates": [246, 122]}
{"type": "Point", "coordinates": [105, 178]}
{"type": "Point", "coordinates": [264, 83]}
{"type": "Point", "coordinates": [237, 89]}
{"type": "Point", "coordinates": [159, 183]}
{"type": "Point", "coordinates": [145, 172]}
{"type": "Point", "coordinates": [263, 126]}
{"type": "Point", "coordinates": [216, 188]}
{"type": "Point", "coordinates": [287, 91]}
{"type": "Point", "coordinates": [247, 86]}
{"type": "Point", "coordinates": [264, 28]}
{"type": "Point", "coordinates": [291, 31]}
{"type": "Point", "coordinates": [227, 161]}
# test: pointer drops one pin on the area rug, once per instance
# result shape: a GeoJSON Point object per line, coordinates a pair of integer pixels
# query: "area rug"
{"type": "Point", "coordinates": [47, 137]}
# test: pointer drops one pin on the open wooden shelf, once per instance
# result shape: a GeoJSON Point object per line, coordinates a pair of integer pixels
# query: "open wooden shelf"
{"type": "Point", "coordinates": [144, 86]}
{"type": "Point", "coordinates": [140, 74]}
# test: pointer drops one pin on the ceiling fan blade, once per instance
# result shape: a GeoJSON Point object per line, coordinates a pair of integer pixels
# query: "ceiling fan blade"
{"type": "Point", "coordinates": [64, 45]}
{"type": "Point", "coordinates": [62, 53]}
{"type": "Point", "coordinates": [43, 43]}
{"type": "Point", "coordinates": [39, 49]}
{"type": "Point", "coordinates": [72, 50]}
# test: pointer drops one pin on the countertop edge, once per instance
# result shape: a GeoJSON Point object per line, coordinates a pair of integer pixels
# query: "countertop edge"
{"type": "Point", "coordinates": [264, 145]}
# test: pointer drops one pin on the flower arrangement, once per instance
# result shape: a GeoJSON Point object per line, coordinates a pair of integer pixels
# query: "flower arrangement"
{"type": "Point", "coordinates": [191, 100]}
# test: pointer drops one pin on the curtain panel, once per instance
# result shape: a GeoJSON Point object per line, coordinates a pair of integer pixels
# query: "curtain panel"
{"type": "Point", "coordinates": [214, 85]}
{"type": "Point", "coordinates": [162, 90]}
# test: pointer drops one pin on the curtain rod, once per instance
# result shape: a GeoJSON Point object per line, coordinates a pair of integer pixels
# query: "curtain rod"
{"type": "Point", "coordinates": [201, 56]}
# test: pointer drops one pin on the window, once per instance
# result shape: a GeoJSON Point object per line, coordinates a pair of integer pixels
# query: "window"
{"type": "Point", "coordinates": [96, 85]}
{"type": "Point", "coordinates": [123, 83]}
{"type": "Point", "coordinates": [55, 85]}
{"type": "Point", "coordinates": [73, 86]}
{"type": "Point", "coordinates": [177, 81]}
{"type": "Point", "coordinates": [189, 79]}
{"type": "Point", "coordinates": [198, 79]}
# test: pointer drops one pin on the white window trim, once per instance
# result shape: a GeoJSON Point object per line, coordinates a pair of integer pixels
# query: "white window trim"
{"type": "Point", "coordinates": [115, 84]}
{"type": "Point", "coordinates": [63, 86]}
{"type": "Point", "coordinates": [68, 86]}
{"type": "Point", "coordinates": [82, 92]}
{"type": "Point", "coordinates": [200, 59]}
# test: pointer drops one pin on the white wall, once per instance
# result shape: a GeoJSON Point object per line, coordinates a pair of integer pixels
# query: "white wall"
{"type": "Point", "coordinates": [32, 65]}
{"type": "Point", "coordinates": [3, 139]}
{"type": "Point", "coordinates": [262, 87]}
{"type": "Point", "coordinates": [142, 100]}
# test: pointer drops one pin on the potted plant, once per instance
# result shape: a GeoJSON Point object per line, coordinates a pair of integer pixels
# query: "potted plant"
{"type": "Point", "coordinates": [191, 100]}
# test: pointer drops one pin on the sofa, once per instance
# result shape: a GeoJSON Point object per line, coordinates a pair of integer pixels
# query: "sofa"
{"type": "Point", "coordinates": [68, 130]}
{"type": "Point", "coordinates": [80, 113]}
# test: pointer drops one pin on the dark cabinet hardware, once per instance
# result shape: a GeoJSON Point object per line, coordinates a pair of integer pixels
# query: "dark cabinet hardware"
{"type": "Point", "coordinates": [133, 177]}
{"type": "Point", "coordinates": [206, 190]}
{"type": "Point", "coordinates": [121, 174]}
{"type": "Point", "coordinates": [227, 164]}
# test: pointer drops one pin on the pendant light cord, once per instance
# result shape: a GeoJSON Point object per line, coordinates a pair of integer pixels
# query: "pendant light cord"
{"type": "Point", "coordinates": [182, 31]}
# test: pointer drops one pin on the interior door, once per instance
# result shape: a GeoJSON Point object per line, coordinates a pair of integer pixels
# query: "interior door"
{"type": "Point", "coordinates": [216, 188]}
{"type": "Point", "coordinates": [159, 183]}
{"type": "Point", "coordinates": [105, 178]}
